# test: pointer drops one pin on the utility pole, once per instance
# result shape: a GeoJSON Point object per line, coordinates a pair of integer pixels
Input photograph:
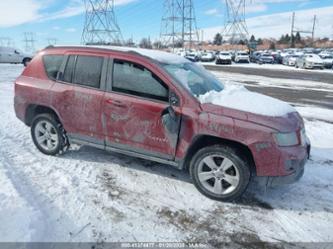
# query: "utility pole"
{"type": "Point", "coordinates": [295, 30]}
{"type": "Point", "coordinates": [101, 27]}
{"type": "Point", "coordinates": [178, 25]}
{"type": "Point", "coordinates": [292, 30]}
{"type": "Point", "coordinates": [235, 28]}
{"type": "Point", "coordinates": [314, 27]}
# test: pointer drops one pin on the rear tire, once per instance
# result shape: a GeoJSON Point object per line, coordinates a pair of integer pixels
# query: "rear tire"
{"type": "Point", "coordinates": [220, 173]}
{"type": "Point", "coordinates": [48, 135]}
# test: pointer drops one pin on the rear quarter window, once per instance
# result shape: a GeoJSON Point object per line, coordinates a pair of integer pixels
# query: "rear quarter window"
{"type": "Point", "coordinates": [52, 64]}
{"type": "Point", "coordinates": [88, 71]}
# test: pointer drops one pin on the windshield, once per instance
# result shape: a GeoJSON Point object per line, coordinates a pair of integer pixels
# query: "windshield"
{"type": "Point", "coordinates": [195, 78]}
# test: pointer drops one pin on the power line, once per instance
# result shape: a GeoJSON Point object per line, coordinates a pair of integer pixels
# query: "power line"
{"type": "Point", "coordinates": [101, 26]}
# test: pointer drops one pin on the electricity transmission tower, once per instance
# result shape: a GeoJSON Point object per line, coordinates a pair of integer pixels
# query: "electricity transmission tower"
{"type": "Point", "coordinates": [178, 25]}
{"type": "Point", "coordinates": [29, 41]}
{"type": "Point", "coordinates": [6, 42]}
{"type": "Point", "coordinates": [235, 28]}
{"type": "Point", "coordinates": [101, 27]}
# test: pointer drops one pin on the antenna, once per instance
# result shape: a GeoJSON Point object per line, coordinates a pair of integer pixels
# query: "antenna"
{"type": "Point", "coordinates": [101, 27]}
{"type": "Point", "coordinates": [178, 24]}
{"type": "Point", "coordinates": [235, 28]}
{"type": "Point", "coordinates": [29, 41]}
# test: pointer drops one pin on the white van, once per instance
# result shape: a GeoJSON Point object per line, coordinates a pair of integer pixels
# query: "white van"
{"type": "Point", "coordinates": [13, 55]}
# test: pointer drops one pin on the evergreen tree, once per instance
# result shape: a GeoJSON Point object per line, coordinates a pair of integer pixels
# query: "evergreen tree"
{"type": "Point", "coordinates": [145, 43]}
{"type": "Point", "coordinates": [218, 39]}
{"type": "Point", "coordinates": [298, 38]}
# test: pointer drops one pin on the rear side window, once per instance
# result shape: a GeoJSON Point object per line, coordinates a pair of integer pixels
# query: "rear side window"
{"type": "Point", "coordinates": [88, 71]}
{"type": "Point", "coordinates": [137, 80]}
{"type": "Point", "coordinates": [52, 64]}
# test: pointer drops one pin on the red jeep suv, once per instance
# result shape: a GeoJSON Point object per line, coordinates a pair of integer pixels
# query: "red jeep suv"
{"type": "Point", "coordinates": [161, 107]}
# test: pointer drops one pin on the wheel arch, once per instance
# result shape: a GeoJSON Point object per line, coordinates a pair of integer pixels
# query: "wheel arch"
{"type": "Point", "coordinates": [202, 141]}
{"type": "Point", "coordinates": [35, 109]}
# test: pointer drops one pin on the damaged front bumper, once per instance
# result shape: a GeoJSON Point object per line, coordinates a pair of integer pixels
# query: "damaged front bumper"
{"type": "Point", "coordinates": [297, 174]}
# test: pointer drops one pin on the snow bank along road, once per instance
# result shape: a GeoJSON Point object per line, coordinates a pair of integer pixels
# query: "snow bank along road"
{"type": "Point", "coordinates": [91, 195]}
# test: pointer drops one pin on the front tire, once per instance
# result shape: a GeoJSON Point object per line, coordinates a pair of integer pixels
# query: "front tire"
{"type": "Point", "coordinates": [48, 135]}
{"type": "Point", "coordinates": [220, 173]}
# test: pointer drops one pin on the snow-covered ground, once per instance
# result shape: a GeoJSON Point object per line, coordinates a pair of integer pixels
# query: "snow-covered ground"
{"type": "Point", "coordinates": [91, 195]}
{"type": "Point", "coordinates": [271, 66]}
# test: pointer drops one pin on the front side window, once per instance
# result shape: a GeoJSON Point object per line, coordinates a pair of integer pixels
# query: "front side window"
{"type": "Point", "coordinates": [137, 80]}
{"type": "Point", "coordinates": [195, 78]}
{"type": "Point", "coordinates": [88, 71]}
{"type": "Point", "coordinates": [52, 64]}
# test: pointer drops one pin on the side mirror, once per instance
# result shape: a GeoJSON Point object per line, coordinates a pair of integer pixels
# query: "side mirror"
{"type": "Point", "coordinates": [173, 99]}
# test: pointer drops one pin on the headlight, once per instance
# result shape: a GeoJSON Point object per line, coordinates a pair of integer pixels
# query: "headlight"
{"type": "Point", "coordinates": [286, 139]}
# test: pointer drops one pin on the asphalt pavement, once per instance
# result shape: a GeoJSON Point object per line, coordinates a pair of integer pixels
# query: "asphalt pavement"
{"type": "Point", "coordinates": [298, 96]}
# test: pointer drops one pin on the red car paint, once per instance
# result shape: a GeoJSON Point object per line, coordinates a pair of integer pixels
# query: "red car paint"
{"type": "Point", "coordinates": [109, 118]}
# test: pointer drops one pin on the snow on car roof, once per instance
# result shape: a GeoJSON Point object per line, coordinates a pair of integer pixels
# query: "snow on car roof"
{"type": "Point", "coordinates": [160, 56]}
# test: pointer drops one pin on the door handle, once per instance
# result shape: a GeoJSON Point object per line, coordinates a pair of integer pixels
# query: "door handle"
{"type": "Point", "coordinates": [115, 103]}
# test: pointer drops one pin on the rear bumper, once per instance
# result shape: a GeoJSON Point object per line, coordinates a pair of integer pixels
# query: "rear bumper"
{"type": "Point", "coordinates": [223, 61]}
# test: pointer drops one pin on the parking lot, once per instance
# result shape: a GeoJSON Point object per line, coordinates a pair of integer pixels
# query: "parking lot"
{"type": "Point", "coordinates": [91, 195]}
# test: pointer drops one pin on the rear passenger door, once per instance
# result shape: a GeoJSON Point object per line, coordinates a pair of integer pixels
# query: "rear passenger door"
{"type": "Point", "coordinates": [85, 74]}
{"type": "Point", "coordinates": [133, 111]}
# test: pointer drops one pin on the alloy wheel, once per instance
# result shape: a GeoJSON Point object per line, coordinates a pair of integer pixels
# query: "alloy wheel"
{"type": "Point", "coordinates": [46, 135]}
{"type": "Point", "coordinates": [218, 174]}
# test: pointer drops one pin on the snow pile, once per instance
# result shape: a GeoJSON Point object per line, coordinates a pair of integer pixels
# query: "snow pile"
{"type": "Point", "coordinates": [238, 97]}
{"type": "Point", "coordinates": [157, 55]}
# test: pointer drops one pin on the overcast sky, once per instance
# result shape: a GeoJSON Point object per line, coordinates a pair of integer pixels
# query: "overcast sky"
{"type": "Point", "coordinates": [63, 19]}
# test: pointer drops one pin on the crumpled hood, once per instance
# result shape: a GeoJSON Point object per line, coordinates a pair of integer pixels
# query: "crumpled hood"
{"type": "Point", "coordinates": [239, 103]}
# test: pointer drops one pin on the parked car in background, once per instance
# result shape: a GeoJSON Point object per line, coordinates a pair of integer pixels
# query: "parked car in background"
{"type": "Point", "coordinates": [223, 57]}
{"type": "Point", "coordinates": [265, 58]}
{"type": "Point", "coordinates": [151, 104]}
{"type": "Point", "coordinates": [290, 60]}
{"type": "Point", "coordinates": [13, 55]}
{"type": "Point", "coordinates": [254, 56]}
{"type": "Point", "coordinates": [192, 56]}
{"type": "Point", "coordinates": [327, 60]}
{"type": "Point", "coordinates": [309, 61]}
{"type": "Point", "coordinates": [242, 57]}
{"type": "Point", "coordinates": [207, 57]}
